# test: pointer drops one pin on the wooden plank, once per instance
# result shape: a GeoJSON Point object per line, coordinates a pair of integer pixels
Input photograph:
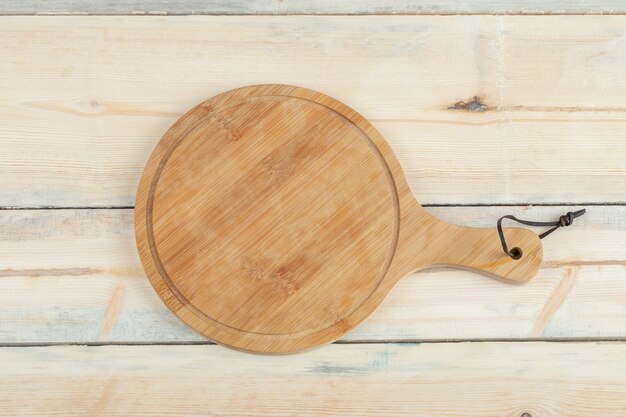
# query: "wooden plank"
{"type": "Point", "coordinates": [287, 7]}
{"type": "Point", "coordinates": [73, 276]}
{"type": "Point", "coordinates": [448, 379]}
{"type": "Point", "coordinates": [85, 99]}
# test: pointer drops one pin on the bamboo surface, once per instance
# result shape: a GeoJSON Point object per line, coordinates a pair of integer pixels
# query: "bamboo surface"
{"type": "Point", "coordinates": [273, 219]}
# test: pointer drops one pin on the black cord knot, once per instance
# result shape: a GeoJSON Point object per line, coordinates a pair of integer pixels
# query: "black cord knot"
{"type": "Point", "coordinates": [566, 219]}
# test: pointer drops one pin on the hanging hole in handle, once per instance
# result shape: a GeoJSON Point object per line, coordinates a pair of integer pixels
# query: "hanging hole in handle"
{"type": "Point", "coordinates": [516, 253]}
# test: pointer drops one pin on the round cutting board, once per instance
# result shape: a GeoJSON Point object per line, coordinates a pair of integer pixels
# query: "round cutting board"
{"type": "Point", "coordinates": [274, 218]}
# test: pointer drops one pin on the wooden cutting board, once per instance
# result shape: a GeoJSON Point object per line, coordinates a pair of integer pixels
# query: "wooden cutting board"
{"type": "Point", "coordinates": [274, 218]}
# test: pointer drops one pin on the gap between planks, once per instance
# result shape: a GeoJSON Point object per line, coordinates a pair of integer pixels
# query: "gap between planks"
{"type": "Point", "coordinates": [425, 13]}
{"type": "Point", "coordinates": [598, 204]}
{"type": "Point", "coordinates": [340, 342]}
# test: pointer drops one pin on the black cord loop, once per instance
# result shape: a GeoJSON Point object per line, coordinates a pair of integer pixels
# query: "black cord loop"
{"type": "Point", "coordinates": [565, 220]}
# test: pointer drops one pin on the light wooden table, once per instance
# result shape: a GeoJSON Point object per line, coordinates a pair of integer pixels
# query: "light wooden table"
{"type": "Point", "coordinates": [86, 94]}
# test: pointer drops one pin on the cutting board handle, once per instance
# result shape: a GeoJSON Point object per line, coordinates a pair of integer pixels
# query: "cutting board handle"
{"type": "Point", "coordinates": [479, 250]}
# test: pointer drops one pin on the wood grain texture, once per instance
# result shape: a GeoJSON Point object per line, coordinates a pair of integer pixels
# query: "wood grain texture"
{"type": "Point", "coordinates": [454, 380]}
{"type": "Point", "coordinates": [74, 276]}
{"type": "Point", "coordinates": [85, 99]}
{"type": "Point", "coordinates": [287, 7]}
{"type": "Point", "coordinates": [533, 106]}
{"type": "Point", "coordinates": [273, 218]}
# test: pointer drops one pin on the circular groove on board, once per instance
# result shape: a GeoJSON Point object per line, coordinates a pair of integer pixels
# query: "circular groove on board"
{"type": "Point", "coordinates": [187, 139]}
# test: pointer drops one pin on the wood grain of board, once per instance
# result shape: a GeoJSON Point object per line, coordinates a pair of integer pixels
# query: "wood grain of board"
{"type": "Point", "coordinates": [537, 101]}
{"type": "Point", "coordinates": [447, 379]}
{"type": "Point", "coordinates": [289, 7]}
{"type": "Point", "coordinates": [74, 276]}
{"type": "Point", "coordinates": [273, 218]}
